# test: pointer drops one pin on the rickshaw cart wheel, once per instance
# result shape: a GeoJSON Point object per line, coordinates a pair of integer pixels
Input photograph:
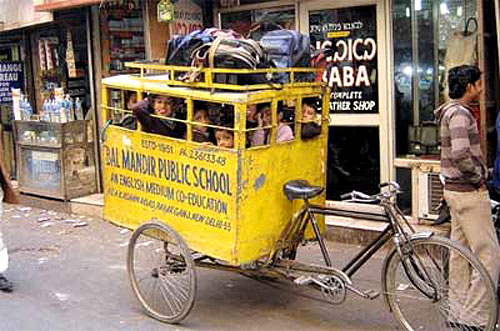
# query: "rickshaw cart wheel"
{"type": "Point", "coordinates": [161, 271]}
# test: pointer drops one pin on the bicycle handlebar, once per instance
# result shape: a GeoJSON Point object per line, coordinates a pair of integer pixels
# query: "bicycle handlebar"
{"type": "Point", "coordinates": [390, 183]}
{"type": "Point", "coordinates": [356, 196]}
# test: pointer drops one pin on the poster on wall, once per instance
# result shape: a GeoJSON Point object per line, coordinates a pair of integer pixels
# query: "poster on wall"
{"type": "Point", "coordinates": [349, 38]}
{"type": "Point", "coordinates": [188, 17]}
{"type": "Point", "coordinates": [11, 76]}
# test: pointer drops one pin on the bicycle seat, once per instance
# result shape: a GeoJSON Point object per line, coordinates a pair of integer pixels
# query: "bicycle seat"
{"type": "Point", "coordinates": [301, 189]}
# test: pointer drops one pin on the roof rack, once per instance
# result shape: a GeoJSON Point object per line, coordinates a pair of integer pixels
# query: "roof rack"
{"type": "Point", "coordinates": [211, 78]}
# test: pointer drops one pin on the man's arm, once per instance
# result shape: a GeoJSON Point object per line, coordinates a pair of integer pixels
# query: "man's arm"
{"type": "Point", "coordinates": [460, 148]}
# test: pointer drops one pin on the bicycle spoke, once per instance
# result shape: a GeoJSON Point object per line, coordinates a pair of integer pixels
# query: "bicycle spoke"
{"type": "Point", "coordinates": [162, 272]}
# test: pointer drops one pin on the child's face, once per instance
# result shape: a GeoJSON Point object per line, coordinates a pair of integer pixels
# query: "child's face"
{"type": "Point", "coordinates": [308, 113]}
{"type": "Point", "coordinates": [132, 100]}
{"type": "Point", "coordinates": [251, 112]}
{"type": "Point", "coordinates": [224, 139]}
{"type": "Point", "coordinates": [162, 106]}
{"type": "Point", "coordinates": [201, 116]}
{"type": "Point", "coordinates": [266, 115]}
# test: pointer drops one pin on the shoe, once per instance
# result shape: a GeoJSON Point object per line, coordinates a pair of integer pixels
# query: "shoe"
{"type": "Point", "coordinates": [464, 327]}
{"type": "Point", "coordinates": [5, 284]}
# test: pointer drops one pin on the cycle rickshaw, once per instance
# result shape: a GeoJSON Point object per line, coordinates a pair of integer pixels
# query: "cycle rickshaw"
{"type": "Point", "coordinates": [247, 208]}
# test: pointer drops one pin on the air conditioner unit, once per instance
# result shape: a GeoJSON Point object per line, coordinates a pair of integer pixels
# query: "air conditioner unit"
{"type": "Point", "coordinates": [430, 191]}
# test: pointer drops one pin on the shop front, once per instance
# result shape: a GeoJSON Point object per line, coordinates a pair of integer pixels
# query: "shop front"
{"type": "Point", "coordinates": [15, 66]}
{"type": "Point", "coordinates": [389, 74]}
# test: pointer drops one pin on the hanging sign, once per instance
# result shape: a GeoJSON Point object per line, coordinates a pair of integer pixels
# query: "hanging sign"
{"type": "Point", "coordinates": [11, 76]}
{"type": "Point", "coordinates": [165, 11]}
{"type": "Point", "coordinates": [351, 64]}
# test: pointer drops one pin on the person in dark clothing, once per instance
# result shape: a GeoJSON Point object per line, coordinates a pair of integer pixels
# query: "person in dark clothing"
{"type": "Point", "coordinates": [158, 105]}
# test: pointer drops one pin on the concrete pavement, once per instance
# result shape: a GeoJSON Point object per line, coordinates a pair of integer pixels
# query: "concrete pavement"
{"type": "Point", "coordinates": [74, 278]}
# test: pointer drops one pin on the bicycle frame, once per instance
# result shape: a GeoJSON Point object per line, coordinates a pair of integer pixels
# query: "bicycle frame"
{"type": "Point", "coordinates": [393, 229]}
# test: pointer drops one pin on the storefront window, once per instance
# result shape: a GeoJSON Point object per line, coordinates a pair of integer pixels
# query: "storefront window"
{"type": "Point", "coordinates": [430, 37]}
{"type": "Point", "coordinates": [62, 61]}
{"type": "Point", "coordinates": [122, 28]}
{"type": "Point", "coordinates": [254, 23]}
{"type": "Point", "coordinates": [349, 38]}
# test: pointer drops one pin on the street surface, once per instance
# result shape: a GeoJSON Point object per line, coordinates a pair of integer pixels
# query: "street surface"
{"type": "Point", "coordinates": [69, 274]}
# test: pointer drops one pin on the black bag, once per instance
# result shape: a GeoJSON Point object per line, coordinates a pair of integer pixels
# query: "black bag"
{"type": "Point", "coordinates": [236, 54]}
{"type": "Point", "coordinates": [287, 49]}
{"type": "Point", "coordinates": [180, 49]}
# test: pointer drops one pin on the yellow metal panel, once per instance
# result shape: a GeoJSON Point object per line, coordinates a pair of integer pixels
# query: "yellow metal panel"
{"type": "Point", "coordinates": [191, 187]}
{"type": "Point", "coordinates": [265, 211]}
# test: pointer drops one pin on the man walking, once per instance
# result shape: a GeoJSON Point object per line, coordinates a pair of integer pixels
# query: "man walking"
{"type": "Point", "coordinates": [465, 192]}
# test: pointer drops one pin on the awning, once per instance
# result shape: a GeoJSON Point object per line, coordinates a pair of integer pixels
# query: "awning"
{"type": "Point", "coordinates": [51, 5]}
{"type": "Point", "coordinates": [21, 13]}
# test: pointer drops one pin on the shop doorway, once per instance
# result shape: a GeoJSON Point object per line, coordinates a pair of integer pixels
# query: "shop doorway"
{"type": "Point", "coordinates": [359, 146]}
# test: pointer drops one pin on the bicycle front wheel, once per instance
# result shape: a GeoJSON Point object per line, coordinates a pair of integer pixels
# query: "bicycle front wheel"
{"type": "Point", "coordinates": [161, 271]}
{"type": "Point", "coordinates": [439, 285]}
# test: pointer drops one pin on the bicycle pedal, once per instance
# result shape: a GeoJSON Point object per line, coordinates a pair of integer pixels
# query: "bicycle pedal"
{"type": "Point", "coordinates": [368, 294]}
{"type": "Point", "coordinates": [371, 294]}
{"type": "Point", "coordinates": [303, 280]}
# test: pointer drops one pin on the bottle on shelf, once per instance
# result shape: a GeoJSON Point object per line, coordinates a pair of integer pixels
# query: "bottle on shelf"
{"type": "Point", "coordinates": [78, 109]}
{"type": "Point", "coordinates": [61, 107]}
{"type": "Point", "coordinates": [45, 111]}
{"type": "Point", "coordinates": [68, 102]}
{"type": "Point", "coordinates": [55, 114]}
{"type": "Point", "coordinates": [29, 111]}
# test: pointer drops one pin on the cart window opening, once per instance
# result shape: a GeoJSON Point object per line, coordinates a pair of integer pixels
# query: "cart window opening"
{"type": "Point", "coordinates": [285, 130]}
{"type": "Point", "coordinates": [118, 106]}
{"type": "Point", "coordinates": [311, 117]}
{"type": "Point", "coordinates": [162, 115]}
{"type": "Point", "coordinates": [201, 131]}
{"type": "Point", "coordinates": [128, 120]}
{"type": "Point", "coordinates": [221, 116]}
{"type": "Point", "coordinates": [258, 124]}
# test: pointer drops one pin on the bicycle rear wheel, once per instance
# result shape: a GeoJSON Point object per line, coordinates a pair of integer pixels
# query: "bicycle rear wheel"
{"type": "Point", "coordinates": [161, 271]}
{"type": "Point", "coordinates": [424, 292]}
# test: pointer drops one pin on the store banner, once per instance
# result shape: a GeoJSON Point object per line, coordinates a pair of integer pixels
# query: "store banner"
{"type": "Point", "coordinates": [350, 35]}
{"type": "Point", "coordinates": [11, 76]}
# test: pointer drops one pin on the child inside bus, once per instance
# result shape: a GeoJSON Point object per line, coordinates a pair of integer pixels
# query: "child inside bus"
{"type": "Point", "coordinates": [158, 105]}
{"type": "Point", "coordinates": [224, 138]}
{"type": "Point", "coordinates": [262, 136]}
{"type": "Point", "coordinates": [310, 128]}
{"type": "Point", "coordinates": [201, 133]}
{"type": "Point", "coordinates": [129, 121]}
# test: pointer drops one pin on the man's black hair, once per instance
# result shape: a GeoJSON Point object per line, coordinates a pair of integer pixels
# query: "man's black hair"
{"type": "Point", "coordinates": [461, 76]}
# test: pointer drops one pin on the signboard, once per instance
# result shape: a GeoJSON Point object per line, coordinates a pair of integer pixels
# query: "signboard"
{"type": "Point", "coordinates": [351, 63]}
{"type": "Point", "coordinates": [192, 188]}
{"type": "Point", "coordinates": [188, 17]}
{"type": "Point", "coordinates": [11, 76]}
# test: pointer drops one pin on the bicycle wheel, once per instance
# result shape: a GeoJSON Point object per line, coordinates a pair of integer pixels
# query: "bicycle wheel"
{"type": "Point", "coordinates": [424, 290]}
{"type": "Point", "coordinates": [161, 271]}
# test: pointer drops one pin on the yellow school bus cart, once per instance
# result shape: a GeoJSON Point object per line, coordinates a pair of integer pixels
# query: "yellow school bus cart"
{"type": "Point", "coordinates": [223, 203]}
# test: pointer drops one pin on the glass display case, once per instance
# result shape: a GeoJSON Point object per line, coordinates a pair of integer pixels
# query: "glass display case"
{"type": "Point", "coordinates": [55, 159]}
